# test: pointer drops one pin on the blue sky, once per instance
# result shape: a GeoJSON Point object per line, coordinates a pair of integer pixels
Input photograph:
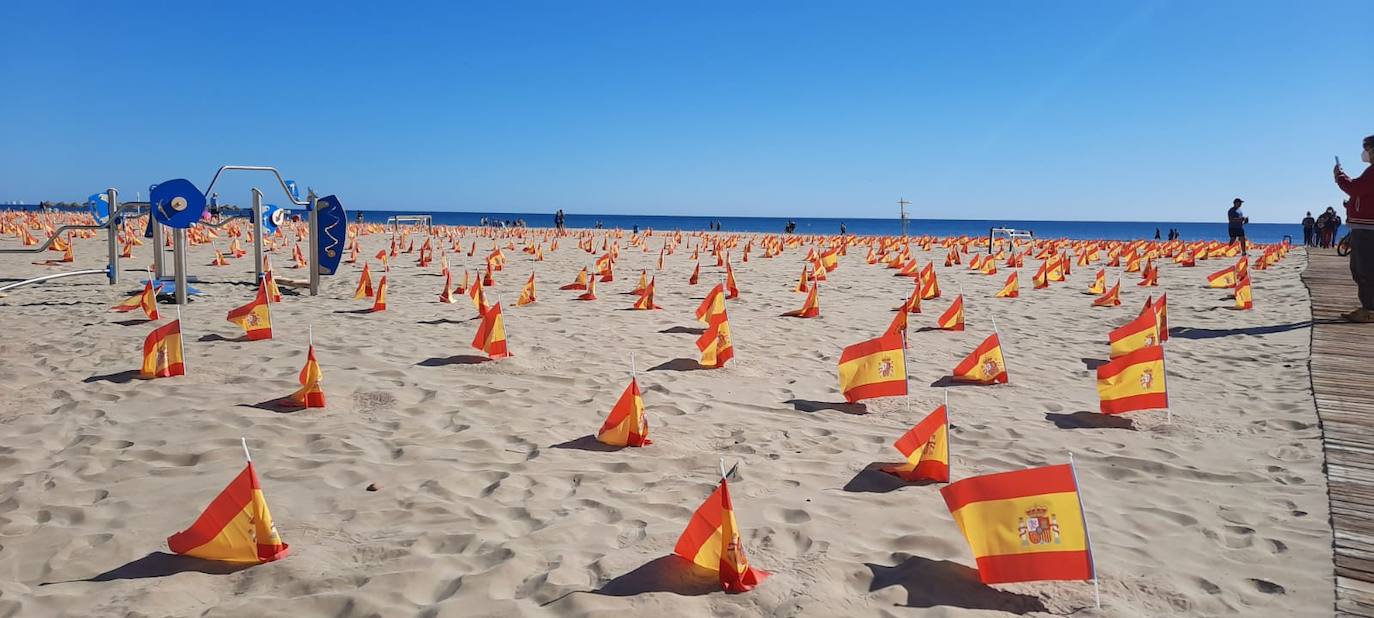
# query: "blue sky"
{"type": "Point", "coordinates": [1029, 110]}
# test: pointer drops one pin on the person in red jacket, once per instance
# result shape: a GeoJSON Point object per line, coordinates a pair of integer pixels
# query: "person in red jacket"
{"type": "Point", "coordinates": [1359, 216]}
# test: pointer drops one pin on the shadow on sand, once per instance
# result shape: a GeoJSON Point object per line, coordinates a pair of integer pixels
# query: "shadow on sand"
{"type": "Point", "coordinates": [162, 564]}
{"type": "Point", "coordinates": [932, 583]}
{"type": "Point", "coordinates": [1089, 420]}
{"type": "Point", "coordinates": [809, 406]}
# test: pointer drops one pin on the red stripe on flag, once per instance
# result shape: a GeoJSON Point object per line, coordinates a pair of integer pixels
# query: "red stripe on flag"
{"type": "Point", "coordinates": [1006, 485]}
{"type": "Point", "coordinates": [225, 507]}
{"type": "Point", "coordinates": [888, 342]}
{"type": "Point", "coordinates": [1121, 363]}
{"type": "Point", "coordinates": [1148, 401]}
{"type": "Point", "coordinates": [1042, 566]}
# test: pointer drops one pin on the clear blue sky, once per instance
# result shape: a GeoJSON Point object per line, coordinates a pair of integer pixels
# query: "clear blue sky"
{"type": "Point", "coordinates": [1062, 110]}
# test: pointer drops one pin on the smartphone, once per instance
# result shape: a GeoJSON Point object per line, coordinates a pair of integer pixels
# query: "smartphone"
{"type": "Point", "coordinates": [1338, 160]}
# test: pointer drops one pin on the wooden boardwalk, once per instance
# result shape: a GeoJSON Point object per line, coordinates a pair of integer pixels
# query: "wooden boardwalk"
{"type": "Point", "coordinates": [1342, 367]}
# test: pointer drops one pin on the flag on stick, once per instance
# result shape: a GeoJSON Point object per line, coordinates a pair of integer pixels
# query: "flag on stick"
{"type": "Point", "coordinates": [874, 368]}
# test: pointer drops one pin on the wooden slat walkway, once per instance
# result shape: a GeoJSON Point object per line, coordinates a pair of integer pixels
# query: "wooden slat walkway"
{"type": "Point", "coordinates": [1342, 367]}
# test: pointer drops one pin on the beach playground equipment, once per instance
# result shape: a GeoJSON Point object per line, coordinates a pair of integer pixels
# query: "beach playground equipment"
{"type": "Point", "coordinates": [1009, 234]}
{"type": "Point", "coordinates": [395, 222]}
{"type": "Point", "coordinates": [178, 204]}
{"type": "Point", "coordinates": [108, 214]}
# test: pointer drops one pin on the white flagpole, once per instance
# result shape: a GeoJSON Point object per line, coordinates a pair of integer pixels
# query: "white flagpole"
{"type": "Point", "coordinates": [244, 442]}
{"type": "Point", "coordinates": [633, 375]}
{"type": "Point", "coordinates": [722, 468]}
{"type": "Point", "coordinates": [310, 334]}
{"type": "Point", "coordinates": [1083, 511]}
{"type": "Point", "coordinates": [181, 339]}
{"type": "Point", "coordinates": [1164, 364]}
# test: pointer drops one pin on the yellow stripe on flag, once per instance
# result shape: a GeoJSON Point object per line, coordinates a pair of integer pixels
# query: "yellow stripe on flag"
{"type": "Point", "coordinates": [1033, 524]}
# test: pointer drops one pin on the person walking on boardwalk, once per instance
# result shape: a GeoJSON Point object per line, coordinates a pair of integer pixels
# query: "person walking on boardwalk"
{"type": "Point", "coordinates": [1308, 225]}
{"type": "Point", "coordinates": [1359, 215]}
{"type": "Point", "coordinates": [1235, 222]}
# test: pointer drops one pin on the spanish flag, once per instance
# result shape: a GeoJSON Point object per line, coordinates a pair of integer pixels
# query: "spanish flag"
{"type": "Point", "coordinates": [1022, 526]}
{"type": "Point", "coordinates": [364, 289]}
{"type": "Point", "coordinates": [1112, 298]}
{"type": "Point", "coordinates": [926, 449]}
{"type": "Point", "coordinates": [874, 368]}
{"type": "Point", "coordinates": [1141, 332]}
{"type": "Point", "coordinates": [1133, 381]}
{"type": "Point", "coordinates": [712, 541]}
{"type": "Point", "coordinates": [491, 333]}
{"type": "Point", "coordinates": [236, 527]}
{"type": "Point", "coordinates": [1099, 282]}
{"type": "Point", "coordinates": [479, 297]}
{"type": "Point", "coordinates": [913, 302]}
{"type": "Point", "coordinates": [732, 290]}
{"type": "Point", "coordinates": [590, 293]}
{"type": "Point", "coordinates": [898, 325]}
{"type": "Point", "coordinates": [1162, 310]}
{"type": "Point", "coordinates": [716, 344]}
{"type": "Point", "coordinates": [930, 284]}
{"type": "Point", "coordinates": [646, 297]}
{"type": "Point", "coordinates": [1224, 278]}
{"type": "Point", "coordinates": [273, 292]}
{"type": "Point", "coordinates": [145, 300]}
{"type": "Point", "coordinates": [445, 293]}
{"type": "Point", "coordinates": [1244, 300]}
{"type": "Point", "coordinates": [643, 281]}
{"type": "Point", "coordinates": [1149, 277]}
{"type": "Point", "coordinates": [379, 302]}
{"type": "Point", "coordinates": [696, 275]}
{"type": "Point", "coordinates": [712, 305]}
{"type": "Point", "coordinates": [462, 288]}
{"type": "Point", "coordinates": [580, 283]}
{"type": "Point", "coordinates": [953, 318]}
{"type": "Point", "coordinates": [1010, 289]}
{"type": "Point", "coordinates": [526, 293]}
{"type": "Point", "coordinates": [162, 357]}
{"type": "Point", "coordinates": [985, 365]}
{"type": "Point", "coordinates": [626, 425]}
{"type": "Point", "coordinates": [809, 309]}
{"type": "Point", "coordinates": [310, 394]}
{"type": "Point", "coordinates": [1040, 280]}
{"type": "Point", "coordinates": [255, 318]}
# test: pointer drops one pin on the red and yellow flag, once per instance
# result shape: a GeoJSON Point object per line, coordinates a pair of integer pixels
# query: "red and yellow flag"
{"type": "Point", "coordinates": [1111, 299]}
{"type": "Point", "coordinates": [712, 305]}
{"type": "Point", "coordinates": [716, 344]}
{"type": "Point", "coordinates": [580, 283]}
{"type": "Point", "coordinates": [626, 425]}
{"type": "Point", "coordinates": [1162, 310]}
{"type": "Point", "coordinates": [930, 284]}
{"type": "Point", "coordinates": [1244, 299]}
{"type": "Point", "coordinates": [1224, 278]}
{"type": "Point", "coordinates": [1099, 285]}
{"type": "Point", "coordinates": [732, 290]}
{"type": "Point", "coordinates": [162, 357]}
{"type": "Point", "coordinates": [590, 290]}
{"type": "Point", "coordinates": [985, 365]}
{"type": "Point", "coordinates": [1133, 381]}
{"type": "Point", "coordinates": [1141, 332]}
{"type": "Point", "coordinates": [913, 302]}
{"type": "Point", "coordinates": [926, 449]}
{"type": "Point", "coordinates": [446, 293]}
{"type": "Point", "coordinates": [953, 318]}
{"type": "Point", "coordinates": [364, 289]}
{"type": "Point", "coordinates": [379, 302]}
{"type": "Point", "coordinates": [801, 282]}
{"type": "Point", "coordinates": [526, 293]}
{"type": "Point", "coordinates": [255, 318]}
{"type": "Point", "coordinates": [1023, 526]}
{"type": "Point", "coordinates": [310, 394]}
{"type": "Point", "coordinates": [712, 541]}
{"type": "Point", "coordinates": [646, 297]}
{"type": "Point", "coordinates": [696, 275]}
{"type": "Point", "coordinates": [491, 333]}
{"type": "Point", "coordinates": [874, 368]}
{"type": "Point", "coordinates": [236, 527]}
{"type": "Point", "coordinates": [809, 309]}
{"type": "Point", "coordinates": [145, 300]}
{"type": "Point", "coordinates": [1010, 289]}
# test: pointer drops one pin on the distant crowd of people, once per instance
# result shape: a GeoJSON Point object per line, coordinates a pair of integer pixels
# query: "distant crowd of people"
{"type": "Point", "coordinates": [1323, 231]}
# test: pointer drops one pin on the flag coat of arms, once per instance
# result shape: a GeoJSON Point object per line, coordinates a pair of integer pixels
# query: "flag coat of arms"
{"type": "Point", "coordinates": [926, 449]}
{"type": "Point", "coordinates": [1139, 333]}
{"type": "Point", "coordinates": [491, 333]}
{"type": "Point", "coordinates": [255, 318]}
{"type": "Point", "coordinates": [712, 541]}
{"type": "Point", "coordinates": [953, 318]}
{"type": "Point", "coordinates": [236, 527]}
{"type": "Point", "coordinates": [985, 365]}
{"type": "Point", "coordinates": [626, 425]}
{"type": "Point", "coordinates": [716, 344]}
{"type": "Point", "coordinates": [874, 368]}
{"type": "Point", "coordinates": [1224, 278]}
{"type": "Point", "coordinates": [1023, 526]}
{"type": "Point", "coordinates": [162, 354]}
{"type": "Point", "coordinates": [1134, 381]}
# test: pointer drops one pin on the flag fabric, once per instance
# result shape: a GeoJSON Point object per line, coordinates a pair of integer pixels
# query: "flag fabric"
{"type": "Point", "coordinates": [696, 275]}
{"type": "Point", "coordinates": [712, 541]}
{"type": "Point", "coordinates": [478, 296]}
{"type": "Point", "coordinates": [898, 326]}
{"type": "Point", "coordinates": [364, 289]}
{"type": "Point", "coordinates": [580, 283]}
{"type": "Point", "coordinates": [1162, 311]}
{"type": "Point", "coordinates": [732, 290]}
{"type": "Point", "coordinates": [1040, 280]}
{"type": "Point", "coordinates": [801, 282]}
{"type": "Point", "coordinates": [526, 293]}
{"type": "Point", "coordinates": [491, 333]}
{"type": "Point", "coordinates": [270, 280]}
{"type": "Point", "coordinates": [953, 318]}
{"type": "Point", "coordinates": [446, 293]}
{"type": "Point", "coordinates": [236, 527]}
{"type": "Point", "coordinates": [712, 305]}
{"type": "Point", "coordinates": [1112, 298]}
{"type": "Point", "coordinates": [985, 365]}
{"type": "Point", "coordinates": [913, 302]}
{"type": "Point", "coordinates": [626, 425]}
{"type": "Point", "coordinates": [1010, 289]}
{"type": "Point", "coordinates": [162, 354]}
{"type": "Point", "coordinates": [1141, 332]}
{"type": "Point", "coordinates": [874, 368]}
{"type": "Point", "coordinates": [590, 290]}
{"type": "Point", "coordinates": [809, 309]}
{"type": "Point", "coordinates": [716, 344]}
{"type": "Point", "coordinates": [1099, 285]}
{"type": "Point", "coordinates": [145, 300]}
{"type": "Point", "coordinates": [1022, 526]}
{"type": "Point", "coordinates": [1244, 299]}
{"type": "Point", "coordinates": [310, 394]}
{"type": "Point", "coordinates": [379, 301]}
{"type": "Point", "coordinates": [926, 449]}
{"type": "Point", "coordinates": [1134, 381]}
{"type": "Point", "coordinates": [1224, 278]}
{"type": "Point", "coordinates": [646, 297]}
{"type": "Point", "coordinates": [255, 318]}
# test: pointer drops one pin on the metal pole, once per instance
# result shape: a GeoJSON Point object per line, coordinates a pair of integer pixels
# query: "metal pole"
{"type": "Point", "coordinates": [159, 269]}
{"type": "Point", "coordinates": [257, 233]}
{"type": "Point", "coordinates": [179, 263]}
{"type": "Point", "coordinates": [314, 245]}
{"type": "Point", "coordinates": [112, 233]}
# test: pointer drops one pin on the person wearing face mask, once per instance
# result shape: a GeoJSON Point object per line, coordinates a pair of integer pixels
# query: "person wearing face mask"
{"type": "Point", "coordinates": [1359, 216]}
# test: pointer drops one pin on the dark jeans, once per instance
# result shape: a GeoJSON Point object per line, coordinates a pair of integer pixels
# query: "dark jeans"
{"type": "Point", "coordinates": [1362, 265]}
{"type": "Point", "coordinates": [1307, 236]}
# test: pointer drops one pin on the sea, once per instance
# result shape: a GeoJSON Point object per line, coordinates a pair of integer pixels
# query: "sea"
{"type": "Point", "coordinates": [1108, 230]}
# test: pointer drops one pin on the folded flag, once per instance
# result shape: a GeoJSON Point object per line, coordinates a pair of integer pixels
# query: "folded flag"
{"type": "Point", "coordinates": [162, 354]}
{"type": "Point", "coordinates": [255, 318]}
{"type": "Point", "coordinates": [1134, 381]}
{"type": "Point", "coordinates": [446, 293]}
{"type": "Point", "coordinates": [1022, 526]}
{"type": "Point", "coordinates": [732, 290]}
{"type": "Point", "coordinates": [953, 318]}
{"type": "Point", "coordinates": [526, 293]}
{"type": "Point", "coordinates": [809, 309]}
{"type": "Point", "coordinates": [364, 289]}
{"type": "Point", "coordinates": [379, 302]}
{"type": "Point", "coordinates": [1112, 298]}
{"type": "Point", "coordinates": [645, 301]}
{"type": "Point", "coordinates": [626, 425]}
{"type": "Point", "coordinates": [926, 449]}
{"type": "Point", "coordinates": [712, 305]}
{"type": "Point", "coordinates": [590, 290]}
{"type": "Point", "coordinates": [985, 365]}
{"type": "Point", "coordinates": [491, 333]}
{"type": "Point", "coordinates": [1244, 299]}
{"type": "Point", "coordinates": [874, 368]}
{"type": "Point", "coordinates": [913, 302]}
{"type": "Point", "coordinates": [696, 275]}
{"type": "Point", "coordinates": [580, 283]}
{"type": "Point", "coordinates": [712, 541]}
{"type": "Point", "coordinates": [145, 300]}
{"type": "Point", "coordinates": [310, 394]}
{"type": "Point", "coordinates": [1099, 285]}
{"type": "Point", "coordinates": [1162, 310]}
{"type": "Point", "coordinates": [716, 344]}
{"type": "Point", "coordinates": [1010, 289]}
{"type": "Point", "coordinates": [236, 527]}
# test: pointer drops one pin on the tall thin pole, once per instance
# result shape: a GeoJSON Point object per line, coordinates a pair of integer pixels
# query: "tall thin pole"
{"type": "Point", "coordinates": [244, 442]}
{"type": "Point", "coordinates": [112, 233]}
{"type": "Point", "coordinates": [901, 206]}
{"type": "Point", "coordinates": [1087, 538]}
{"type": "Point", "coordinates": [314, 244]}
{"type": "Point", "coordinates": [257, 233]}
{"type": "Point", "coordinates": [179, 263]}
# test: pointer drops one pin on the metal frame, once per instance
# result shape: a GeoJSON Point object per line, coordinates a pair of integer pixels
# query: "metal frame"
{"type": "Point", "coordinates": [309, 202]}
{"type": "Point", "coordinates": [395, 222]}
{"type": "Point", "coordinates": [1010, 232]}
{"type": "Point", "coordinates": [111, 227]}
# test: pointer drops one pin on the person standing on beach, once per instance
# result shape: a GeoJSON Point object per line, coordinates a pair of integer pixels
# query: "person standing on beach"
{"type": "Point", "coordinates": [1235, 222]}
{"type": "Point", "coordinates": [1359, 212]}
{"type": "Point", "coordinates": [842, 230]}
{"type": "Point", "coordinates": [1308, 225]}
